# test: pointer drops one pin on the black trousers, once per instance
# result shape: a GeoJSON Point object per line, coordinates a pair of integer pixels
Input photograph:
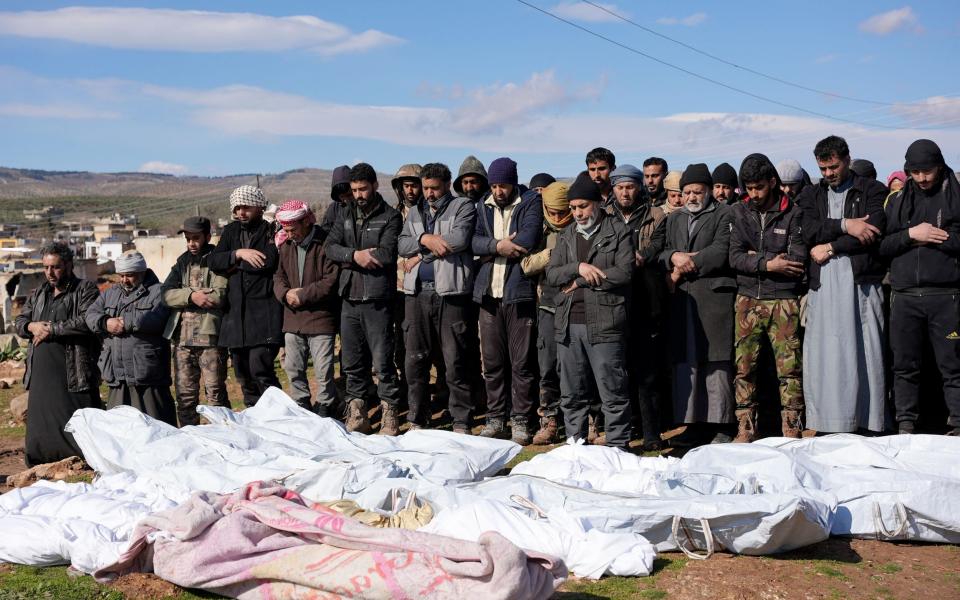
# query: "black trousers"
{"type": "Point", "coordinates": [366, 328]}
{"type": "Point", "coordinates": [549, 368]}
{"type": "Point", "coordinates": [913, 320]}
{"type": "Point", "coordinates": [254, 369]}
{"type": "Point", "coordinates": [437, 323]}
{"type": "Point", "coordinates": [508, 334]}
{"type": "Point", "coordinates": [646, 365]}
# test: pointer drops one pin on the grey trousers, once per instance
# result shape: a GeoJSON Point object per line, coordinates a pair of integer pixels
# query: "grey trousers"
{"type": "Point", "coordinates": [578, 359]}
{"type": "Point", "coordinates": [320, 347]}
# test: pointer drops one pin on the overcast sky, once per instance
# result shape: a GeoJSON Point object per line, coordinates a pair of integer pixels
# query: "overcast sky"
{"type": "Point", "coordinates": [214, 88]}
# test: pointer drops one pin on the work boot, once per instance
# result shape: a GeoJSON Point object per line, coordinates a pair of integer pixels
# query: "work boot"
{"type": "Point", "coordinates": [389, 420]}
{"type": "Point", "coordinates": [547, 434]}
{"type": "Point", "coordinates": [746, 425]}
{"type": "Point", "coordinates": [520, 433]}
{"type": "Point", "coordinates": [792, 423]}
{"type": "Point", "coordinates": [591, 430]}
{"type": "Point", "coordinates": [494, 428]}
{"type": "Point", "coordinates": [461, 428]}
{"type": "Point", "coordinates": [357, 417]}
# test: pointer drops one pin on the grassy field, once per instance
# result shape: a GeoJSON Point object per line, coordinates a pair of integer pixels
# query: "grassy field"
{"type": "Point", "coordinates": [834, 569]}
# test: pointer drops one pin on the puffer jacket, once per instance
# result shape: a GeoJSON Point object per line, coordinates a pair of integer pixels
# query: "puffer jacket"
{"type": "Point", "coordinates": [527, 222]}
{"type": "Point", "coordinates": [140, 355]}
{"type": "Point", "coordinates": [756, 239]}
{"type": "Point", "coordinates": [605, 305]}
{"type": "Point", "coordinates": [453, 274]}
{"type": "Point", "coordinates": [82, 347]}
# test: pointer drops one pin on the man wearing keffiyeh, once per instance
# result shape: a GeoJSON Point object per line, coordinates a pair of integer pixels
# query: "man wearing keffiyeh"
{"type": "Point", "coordinates": [305, 284]}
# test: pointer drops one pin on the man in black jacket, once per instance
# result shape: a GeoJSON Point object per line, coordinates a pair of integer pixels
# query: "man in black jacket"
{"type": "Point", "coordinates": [768, 254]}
{"type": "Point", "coordinates": [844, 385]}
{"type": "Point", "coordinates": [923, 245]}
{"type": "Point", "coordinates": [364, 241]}
{"type": "Point", "coordinates": [251, 326]}
{"type": "Point", "coordinates": [62, 374]}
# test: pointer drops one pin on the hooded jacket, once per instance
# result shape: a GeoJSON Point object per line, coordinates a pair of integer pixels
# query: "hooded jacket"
{"type": "Point", "coordinates": [454, 222]}
{"type": "Point", "coordinates": [341, 175]}
{"type": "Point", "coordinates": [471, 166]}
{"type": "Point", "coordinates": [864, 199]}
{"type": "Point", "coordinates": [82, 347]}
{"type": "Point", "coordinates": [140, 355]}
{"type": "Point", "coordinates": [757, 237]}
{"type": "Point", "coordinates": [606, 305]}
{"type": "Point", "coordinates": [913, 267]}
{"type": "Point", "coordinates": [527, 222]}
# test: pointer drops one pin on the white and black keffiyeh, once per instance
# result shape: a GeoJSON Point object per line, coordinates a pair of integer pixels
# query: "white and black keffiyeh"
{"type": "Point", "coordinates": [247, 195]}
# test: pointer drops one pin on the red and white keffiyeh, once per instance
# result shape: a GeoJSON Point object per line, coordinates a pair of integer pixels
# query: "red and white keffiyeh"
{"type": "Point", "coordinates": [292, 211]}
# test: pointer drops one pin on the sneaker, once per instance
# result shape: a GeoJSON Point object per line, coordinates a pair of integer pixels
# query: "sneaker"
{"type": "Point", "coordinates": [520, 433]}
{"type": "Point", "coordinates": [389, 420]}
{"type": "Point", "coordinates": [357, 417]}
{"type": "Point", "coordinates": [906, 427]}
{"type": "Point", "coordinates": [494, 428]}
{"type": "Point", "coordinates": [547, 434]}
{"type": "Point", "coordinates": [461, 428]}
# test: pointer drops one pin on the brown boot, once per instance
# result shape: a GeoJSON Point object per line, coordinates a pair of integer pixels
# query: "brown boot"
{"type": "Point", "coordinates": [591, 429]}
{"type": "Point", "coordinates": [357, 419]}
{"type": "Point", "coordinates": [747, 425]}
{"type": "Point", "coordinates": [547, 434]}
{"type": "Point", "coordinates": [389, 420]}
{"type": "Point", "coordinates": [792, 423]}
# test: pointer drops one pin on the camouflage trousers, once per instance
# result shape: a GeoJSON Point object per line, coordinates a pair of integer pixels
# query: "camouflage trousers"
{"type": "Point", "coordinates": [779, 321]}
{"type": "Point", "coordinates": [190, 364]}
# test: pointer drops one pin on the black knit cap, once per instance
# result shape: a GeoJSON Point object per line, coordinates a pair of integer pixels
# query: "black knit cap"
{"type": "Point", "coordinates": [696, 173]}
{"type": "Point", "coordinates": [725, 174]}
{"type": "Point", "coordinates": [541, 180]}
{"type": "Point", "coordinates": [584, 188]}
{"type": "Point", "coordinates": [923, 154]}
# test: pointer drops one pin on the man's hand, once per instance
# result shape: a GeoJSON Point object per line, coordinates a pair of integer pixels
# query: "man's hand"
{"type": "Point", "coordinates": [410, 263]}
{"type": "Point", "coordinates": [925, 233]}
{"type": "Point", "coordinates": [862, 230]}
{"type": "Point", "coordinates": [508, 249]}
{"type": "Point", "coordinates": [435, 244]}
{"type": "Point", "coordinates": [366, 259]}
{"type": "Point", "coordinates": [293, 298]}
{"type": "Point", "coordinates": [254, 258]}
{"type": "Point", "coordinates": [673, 278]}
{"type": "Point", "coordinates": [822, 253]}
{"type": "Point", "coordinates": [571, 287]}
{"type": "Point", "coordinates": [637, 259]}
{"type": "Point", "coordinates": [202, 299]}
{"type": "Point", "coordinates": [115, 325]}
{"type": "Point", "coordinates": [683, 262]}
{"type": "Point", "coordinates": [41, 330]}
{"type": "Point", "coordinates": [592, 274]}
{"type": "Point", "coordinates": [783, 265]}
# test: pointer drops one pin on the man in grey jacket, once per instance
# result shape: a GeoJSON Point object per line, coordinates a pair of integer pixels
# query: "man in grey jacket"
{"type": "Point", "coordinates": [438, 283]}
{"type": "Point", "coordinates": [135, 361]}
{"type": "Point", "coordinates": [592, 266]}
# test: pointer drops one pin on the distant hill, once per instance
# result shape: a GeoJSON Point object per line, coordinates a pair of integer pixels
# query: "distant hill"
{"type": "Point", "coordinates": [161, 199]}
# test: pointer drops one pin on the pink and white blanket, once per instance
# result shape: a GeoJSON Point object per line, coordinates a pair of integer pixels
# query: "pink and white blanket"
{"type": "Point", "coordinates": [267, 542]}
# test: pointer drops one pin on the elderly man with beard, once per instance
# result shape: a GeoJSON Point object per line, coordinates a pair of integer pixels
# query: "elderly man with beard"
{"type": "Point", "coordinates": [923, 245]}
{"type": "Point", "coordinates": [61, 374]}
{"type": "Point", "coordinates": [648, 295]}
{"type": "Point", "coordinates": [305, 284]}
{"type": "Point", "coordinates": [251, 326]}
{"type": "Point", "coordinates": [509, 226]}
{"type": "Point", "coordinates": [701, 315]}
{"type": "Point", "coordinates": [725, 184]}
{"type": "Point", "coordinates": [654, 170]}
{"type": "Point", "coordinates": [592, 265]}
{"type": "Point", "coordinates": [135, 360]}
{"type": "Point", "coordinates": [364, 242]}
{"type": "Point", "coordinates": [769, 256]}
{"type": "Point", "coordinates": [437, 233]}
{"type": "Point", "coordinates": [844, 383]}
{"type": "Point", "coordinates": [600, 163]}
{"type": "Point", "coordinates": [556, 217]}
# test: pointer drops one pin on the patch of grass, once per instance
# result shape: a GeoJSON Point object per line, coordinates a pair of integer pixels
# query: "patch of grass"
{"type": "Point", "coordinates": [653, 594]}
{"type": "Point", "coordinates": [890, 568]}
{"type": "Point", "coordinates": [827, 569]}
{"type": "Point", "coordinates": [22, 582]}
{"type": "Point", "coordinates": [663, 564]}
{"type": "Point", "coordinates": [885, 593]}
{"type": "Point", "coordinates": [608, 587]}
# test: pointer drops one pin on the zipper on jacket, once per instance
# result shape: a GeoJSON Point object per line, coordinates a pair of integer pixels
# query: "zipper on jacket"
{"type": "Point", "coordinates": [760, 250]}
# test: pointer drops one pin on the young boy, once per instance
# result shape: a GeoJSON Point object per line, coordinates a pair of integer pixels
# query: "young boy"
{"type": "Point", "coordinates": [196, 295]}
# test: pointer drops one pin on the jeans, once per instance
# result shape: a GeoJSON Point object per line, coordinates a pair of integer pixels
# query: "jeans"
{"type": "Point", "coordinates": [320, 347]}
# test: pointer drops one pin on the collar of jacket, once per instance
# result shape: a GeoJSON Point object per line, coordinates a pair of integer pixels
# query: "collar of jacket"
{"type": "Point", "coordinates": [642, 212]}
{"type": "Point", "coordinates": [377, 208]}
{"type": "Point", "coordinates": [781, 206]}
{"type": "Point", "coordinates": [518, 196]}
{"type": "Point", "coordinates": [441, 204]}
{"type": "Point", "coordinates": [72, 282]}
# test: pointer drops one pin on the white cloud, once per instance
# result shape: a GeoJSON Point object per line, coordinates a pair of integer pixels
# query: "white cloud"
{"type": "Point", "coordinates": [581, 11]}
{"type": "Point", "coordinates": [688, 21]}
{"type": "Point", "coordinates": [159, 166]}
{"type": "Point", "coordinates": [890, 21]}
{"type": "Point", "coordinates": [190, 30]}
{"type": "Point", "coordinates": [940, 111]}
{"type": "Point", "coordinates": [54, 111]}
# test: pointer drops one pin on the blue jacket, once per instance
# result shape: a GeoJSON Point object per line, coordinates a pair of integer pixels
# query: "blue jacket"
{"type": "Point", "coordinates": [527, 223]}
